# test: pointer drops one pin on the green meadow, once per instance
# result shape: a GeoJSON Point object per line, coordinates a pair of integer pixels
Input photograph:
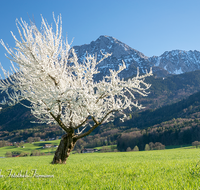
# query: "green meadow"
{"type": "Point", "coordinates": [163, 169]}
{"type": "Point", "coordinates": [30, 147]}
{"type": "Point", "coordinates": [38, 146]}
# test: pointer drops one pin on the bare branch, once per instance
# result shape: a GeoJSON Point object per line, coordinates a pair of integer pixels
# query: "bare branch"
{"type": "Point", "coordinates": [83, 123]}
{"type": "Point", "coordinates": [93, 118]}
{"type": "Point", "coordinates": [86, 133]}
{"type": "Point", "coordinates": [104, 118]}
{"type": "Point", "coordinates": [60, 122]}
{"type": "Point", "coordinates": [94, 126]}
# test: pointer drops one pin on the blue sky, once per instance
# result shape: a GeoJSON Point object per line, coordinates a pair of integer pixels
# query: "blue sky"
{"type": "Point", "coordinates": [150, 26]}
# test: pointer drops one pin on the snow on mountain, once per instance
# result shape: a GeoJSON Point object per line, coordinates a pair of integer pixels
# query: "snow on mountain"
{"type": "Point", "coordinates": [170, 62]}
{"type": "Point", "coordinates": [120, 51]}
{"type": "Point", "coordinates": [177, 61]}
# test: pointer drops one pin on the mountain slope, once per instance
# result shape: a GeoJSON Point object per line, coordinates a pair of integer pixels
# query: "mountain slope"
{"type": "Point", "coordinates": [182, 109]}
{"type": "Point", "coordinates": [120, 51]}
{"type": "Point", "coordinates": [176, 124]}
{"type": "Point", "coordinates": [170, 62]}
{"type": "Point", "coordinates": [177, 61]}
{"type": "Point", "coordinates": [162, 92]}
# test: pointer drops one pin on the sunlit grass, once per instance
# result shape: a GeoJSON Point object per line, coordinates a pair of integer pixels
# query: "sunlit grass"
{"type": "Point", "coordinates": [164, 169]}
{"type": "Point", "coordinates": [30, 147]}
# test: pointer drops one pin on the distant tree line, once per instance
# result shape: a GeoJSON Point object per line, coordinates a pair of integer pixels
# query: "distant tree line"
{"type": "Point", "coordinates": [150, 146]}
{"type": "Point", "coordinates": [167, 136]}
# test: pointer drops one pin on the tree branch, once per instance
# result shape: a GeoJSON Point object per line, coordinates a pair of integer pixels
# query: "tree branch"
{"type": "Point", "coordinates": [101, 97]}
{"type": "Point", "coordinates": [86, 133]}
{"type": "Point", "coordinates": [107, 115]}
{"type": "Point", "coordinates": [54, 80]}
{"type": "Point", "coordinates": [60, 122]}
{"type": "Point", "coordinates": [93, 118]}
{"type": "Point", "coordinates": [95, 126]}
{"type": "Point", "coordinates": [82, 123]}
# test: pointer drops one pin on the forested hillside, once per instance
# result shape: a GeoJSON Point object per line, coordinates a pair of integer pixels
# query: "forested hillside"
{"type": "Point", "coordinates": [175, 124]}
{"type": "Point", "coordinates": [162, 106]}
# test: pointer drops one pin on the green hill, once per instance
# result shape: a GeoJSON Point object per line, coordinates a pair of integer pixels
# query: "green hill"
{"type": "Point", "coordinates": [30, 147]}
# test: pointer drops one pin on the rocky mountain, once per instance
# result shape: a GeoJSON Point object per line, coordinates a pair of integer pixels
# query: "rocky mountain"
{"type": "Point", "coordinates": [120, 51]}
{"type": "Point", "coordinates": [170, 62]}
{"type": "Point", "coordinates": [177, 61]}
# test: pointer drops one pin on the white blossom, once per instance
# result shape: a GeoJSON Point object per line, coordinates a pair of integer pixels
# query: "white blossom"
{"type": "Point", "coordinates": [58, 87]}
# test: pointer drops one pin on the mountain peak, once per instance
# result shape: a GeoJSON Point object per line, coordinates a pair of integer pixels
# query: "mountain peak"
{"type": "Point", "coordinates": [107, 44]}
{"type": "Point", "coordinates": [105, 37]}
{"type": "Point", "coordinates": [170, 62]}
{"type": "Point", "coordinates": [178, 61]}
{"type": "Point", "coordinates": [120, 52]}
{"type": "Point", "coordinates": [174, 52]}
{"type": "Point", "coordinates": [110, 42]}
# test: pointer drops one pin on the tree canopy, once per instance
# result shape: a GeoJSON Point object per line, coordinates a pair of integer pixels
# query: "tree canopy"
{"type": "Point", "coordinates": [62, 90]}
{"type": "Point", "coordinates": [59, 88]}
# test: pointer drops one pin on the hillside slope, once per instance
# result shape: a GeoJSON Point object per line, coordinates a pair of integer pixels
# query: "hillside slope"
{"type": "Point", "coordinates": [166, 88]}
{"type": "Point", "coordinates": [15, 121]}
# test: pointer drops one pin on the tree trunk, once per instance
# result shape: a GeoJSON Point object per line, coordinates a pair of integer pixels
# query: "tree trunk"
{"type": "Point", "coordinates": [66, 145]}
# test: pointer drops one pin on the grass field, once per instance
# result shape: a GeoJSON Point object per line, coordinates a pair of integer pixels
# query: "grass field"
{"type": "Point", "coordinates": [164, 169]}
{"type": "Point", "coordinates": [29, 147]}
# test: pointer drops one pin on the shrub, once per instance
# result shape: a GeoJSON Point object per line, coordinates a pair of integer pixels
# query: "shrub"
{"type": "Point", "coordinates": [151, 145]}
{"type": "Point", "coordinates": [159, 146]}
{"type": "Point", "coordinates": [8, 154]}
{"type": "Point", "coordinates": [35, 153]}
{"type": "Point", "coordinates": [196, 143]}
{"type": "Point", "coordinates": [24, 154]}
{"type": "Point", "coordinates": [16, 153]}
{"type": "Point", "coordinates": [136, 148]}
{"type": "Point", "coordinates": [106, 149]}
{"type": "Point", "coordinates": [128, 149]}
{"type": "Point", "coordinates": [147, 147]}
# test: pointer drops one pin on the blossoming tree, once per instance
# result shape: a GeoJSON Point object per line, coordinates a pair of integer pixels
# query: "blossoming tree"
{"type": "Point", "coordinates": [60, 89]}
